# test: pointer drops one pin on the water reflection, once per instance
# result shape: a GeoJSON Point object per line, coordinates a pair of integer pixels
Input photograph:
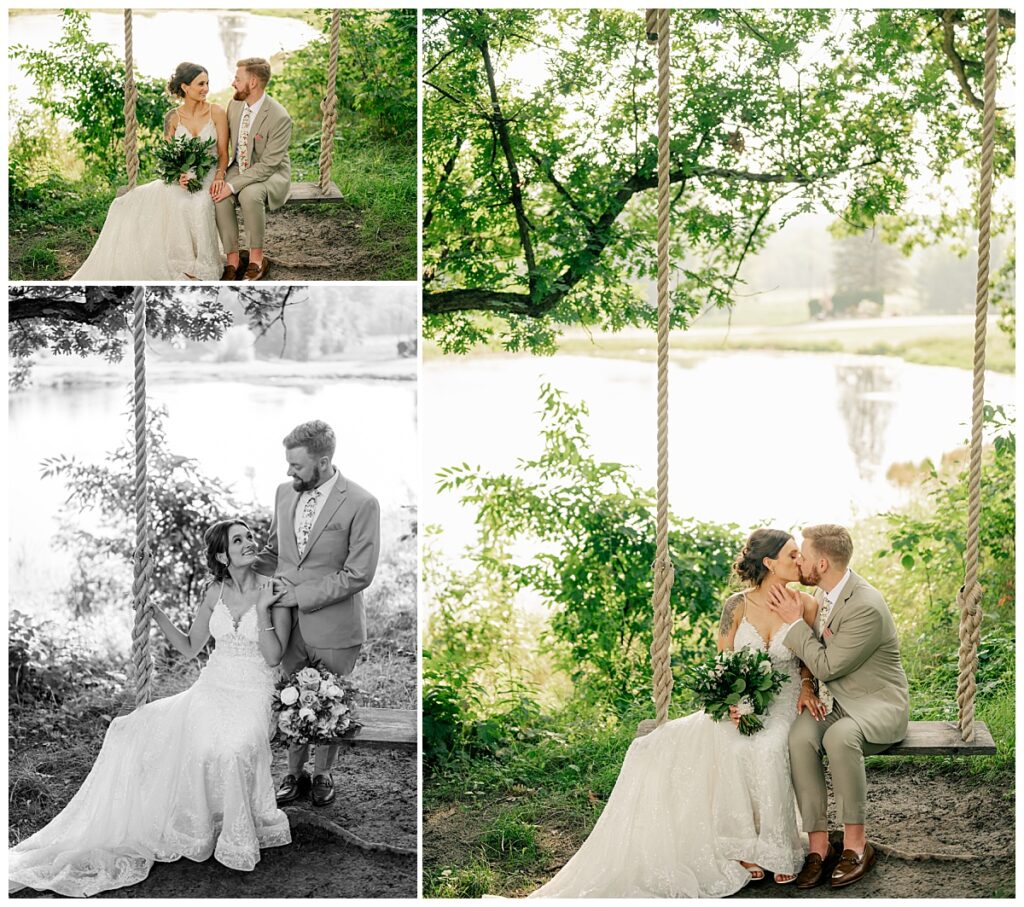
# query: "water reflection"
{"type": "Point", "coordinates": [724, 466]}
{"type": "Point", "coordinates": [867, 406]}
{"type": "Point", "coordinates": [232, 28]}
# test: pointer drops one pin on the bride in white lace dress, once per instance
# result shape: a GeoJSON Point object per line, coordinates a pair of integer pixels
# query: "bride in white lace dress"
{"type": "Point", "coordinates": [189, 775]}
{"type": "Point", "coordinates": [698, 809]}
{"type": "Point", "coordinates": [161, 231]}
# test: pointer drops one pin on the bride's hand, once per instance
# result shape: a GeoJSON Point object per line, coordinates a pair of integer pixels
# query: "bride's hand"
{"type": "Point", "coordinates": [215, 187]}
{"type": "Point", "coordinates": [808, 700]}
{"type": "Point", "coordinates": [734, 716]}
{"type": "Point", "coordinates": [183, 180]}
{"type": "Point", "coordinates": [266, 594]}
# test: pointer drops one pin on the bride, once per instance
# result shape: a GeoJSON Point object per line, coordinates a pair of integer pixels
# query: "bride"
{"type": "Point", "coordinates": [189, 775]}
{"type": "Point", "coordinates": [161, 231]}
{"type": "Point", "coordinates": [700, 810]}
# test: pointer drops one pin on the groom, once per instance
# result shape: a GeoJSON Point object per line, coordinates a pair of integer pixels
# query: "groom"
{"type": "Point", "coordinates": [259, 177]}
{"type": "Point", "coordinates": [322, 552]}
{"type": "Point", "coordinates": [861, 682]}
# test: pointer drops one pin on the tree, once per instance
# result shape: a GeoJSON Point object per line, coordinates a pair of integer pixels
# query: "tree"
{"type": "Point", "coordinates": [863, 267]}
{"type": "Point", "coordinates": [81, 321]}
{"type": "Point", "coordinates": [595, 529]}
{"type": "Point", "coordinates": [539, 209]}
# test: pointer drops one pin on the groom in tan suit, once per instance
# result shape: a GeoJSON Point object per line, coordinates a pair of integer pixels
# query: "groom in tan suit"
{"type": "Point", "coordinates": [259, 176]}
{"type": "Point", "coordinates": [856, 660]}
{"type": "Point", "coordinates": [322, 552]}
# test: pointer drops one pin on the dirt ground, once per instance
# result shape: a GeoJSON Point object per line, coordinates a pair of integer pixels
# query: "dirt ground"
{"type": "Point", "coordinates": [912, 809]}
{"type": "Point", "coordinates": [376, 800]}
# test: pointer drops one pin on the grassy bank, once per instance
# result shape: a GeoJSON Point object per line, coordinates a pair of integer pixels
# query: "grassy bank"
{"type": "Point", "coordinates": [54, 738]}
{"type": "Point", "coordinates": [923, 342]}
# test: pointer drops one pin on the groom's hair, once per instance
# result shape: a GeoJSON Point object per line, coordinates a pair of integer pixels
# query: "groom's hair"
{"type": "Point", "coordinates": [832, 541]}
{"type": "Point", "coordinates": [256, 66]}
{"type": "Point", "coordinates": [316, 436]}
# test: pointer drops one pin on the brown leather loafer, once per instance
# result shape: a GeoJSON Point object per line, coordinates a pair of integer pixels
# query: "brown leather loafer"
{"type": "Point", "coordinates": [815, 868]}
{"type": "Point", "coordinates": [323, 790]}
{"type": "Point", "coordinates": [292, 788]}
{"type": "Point", "coordinates": [853, 866]}
{"type": "Point", "coordinates": [257, 271]}
{"type": "Point", "coordinates": [230, 273]}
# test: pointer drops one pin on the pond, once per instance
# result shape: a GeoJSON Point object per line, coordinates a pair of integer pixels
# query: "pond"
{"type": "Point", "coordinates": [755, 438]}
{"type": "Point", "coordinates": [162, 39]}
{"type": "Point", "coordinates": [232, 428]}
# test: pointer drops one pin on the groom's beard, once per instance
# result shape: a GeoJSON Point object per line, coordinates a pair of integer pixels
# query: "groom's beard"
{"type": "Point", "coordinates": [809, 579]}
{"type": "Point", "coordinates": [241, 96]}
{"type": "Point", "coordinates": [300, 486]}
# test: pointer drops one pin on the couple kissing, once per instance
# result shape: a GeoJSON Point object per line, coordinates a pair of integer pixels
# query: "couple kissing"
{"type": "Point", "coordinates": [699, 809]}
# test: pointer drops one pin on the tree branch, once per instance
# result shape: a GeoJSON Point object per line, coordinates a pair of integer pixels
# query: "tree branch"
{"type": "Point", "coordinates": [63, 309]}
{"type": "Point", "coordinates": [449, 166]}
{"type": "Point", "coordinates": [506, 146]}
{"type": "Point", "coordinates": [956, 62]}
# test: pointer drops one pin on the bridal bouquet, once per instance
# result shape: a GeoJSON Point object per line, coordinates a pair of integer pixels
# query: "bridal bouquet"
{"type": "Point", "coordinates": [313, 706]}
{"type": "Point", "coordinates": [185, 154]}
{"type": "Point", "coordinates": [744, 678]}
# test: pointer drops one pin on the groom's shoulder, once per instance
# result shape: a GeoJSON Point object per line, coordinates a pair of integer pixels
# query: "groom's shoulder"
{"type": "Point", "coordinates": [357, 494]}
{"type": "Point", "coordinates": [278, 107]}
{"type": "Point", "coordinates": [867, 593]}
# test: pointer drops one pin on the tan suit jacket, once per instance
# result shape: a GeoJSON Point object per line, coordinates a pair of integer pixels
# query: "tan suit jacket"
{"type": "Point", "coordinates": [270, 135]}
{"type": "Point", "coordinates": [860, 661]}
{"type": "Point", "coordinates": [338, 564]}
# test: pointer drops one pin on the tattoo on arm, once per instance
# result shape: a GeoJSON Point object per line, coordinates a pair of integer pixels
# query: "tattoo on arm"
{"type": "Point", "coordinates": [728, 615]}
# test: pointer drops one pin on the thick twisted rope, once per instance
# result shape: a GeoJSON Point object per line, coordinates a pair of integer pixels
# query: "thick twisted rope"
{"type": "Point", "coordinates": [329, 106]}
{"type": "Point", "coordinates": [969, 597]}
{"type": "Point", "coordinates": [299, 816]}
{"type": "Point", "coordinates": [663, 572]}
{"type": "Point", "coordinates": [142, 665]}
{"type": "Point", "coordinates": [131, 97]}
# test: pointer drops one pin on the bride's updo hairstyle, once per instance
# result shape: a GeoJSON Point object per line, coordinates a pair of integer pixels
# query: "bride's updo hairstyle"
{"type": "Point", "coordinates": [749, 566]}
{"type": "Point", "coordinates": [216, 540]}
{"type": "Point", "coordinates": [185, 74]}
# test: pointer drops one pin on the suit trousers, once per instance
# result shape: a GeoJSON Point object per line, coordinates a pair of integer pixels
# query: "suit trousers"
{"type": "Point", "coordinates": [840, 738]}
{"type": "Point", "coordinates": [252, 199]}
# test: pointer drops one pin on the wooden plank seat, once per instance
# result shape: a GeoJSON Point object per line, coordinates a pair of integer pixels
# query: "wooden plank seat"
{"type": "Point", "coordinates": [924, 738]}
{"type": "Point", "coordinates": [382, 728]}
{"type": "Point", "coordinates": [942, 738]}
{"type": "Point", "coordinates": [310, 192]}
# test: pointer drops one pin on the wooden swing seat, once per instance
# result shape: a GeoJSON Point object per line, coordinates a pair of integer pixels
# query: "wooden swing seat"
{"type": "Point", "coordinates": [924, 738]}
{"type": "Point", "coordinates": [310, 192]}
{"type": "Point", "coordinates": [381, 728]}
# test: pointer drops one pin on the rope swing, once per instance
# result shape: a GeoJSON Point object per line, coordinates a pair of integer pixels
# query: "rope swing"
{"type": "Point", "coordinates": [322, 191]}
{"type": "Point", "coordinates": [969, 597]}
{"type": "Point", "coordinates": [142, 663]}
{"type": "Point", "coordinates": [923, 737]}
{"type": "Point", "coordinates": [329, 105]}
{"type": "Point", "coordinates": [657, 22]}
{"type": "Point", "coordinates": [131, 97]}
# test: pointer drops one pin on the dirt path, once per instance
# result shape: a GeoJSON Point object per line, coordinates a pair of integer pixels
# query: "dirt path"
{"type": "Point", "coordinates": [376, 800]}
{"type": "Point", "coordinates": [913, 809]}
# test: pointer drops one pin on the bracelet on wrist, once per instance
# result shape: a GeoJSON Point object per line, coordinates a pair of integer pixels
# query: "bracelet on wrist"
{"type": "Point", "coordinates": [265, 629]}
{"type": "Point", "coordinates": [809, 680]}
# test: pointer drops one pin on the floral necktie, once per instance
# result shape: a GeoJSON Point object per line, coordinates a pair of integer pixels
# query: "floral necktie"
{"type": "Point", "coordinates": [243, 139]}
{"type": "Point", "coordinates": [824, 693]}
{"type": "Point", "coordinates": [306, 523]}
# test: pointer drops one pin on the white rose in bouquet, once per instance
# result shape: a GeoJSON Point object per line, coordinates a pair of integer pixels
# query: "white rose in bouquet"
{"type": "Point", "coordinates": [745, 707]}
{"type": "Point", "coordinates": [307, 714]}
{"type": "Point", "coordinates": [309, 677]}
{"type": "Point", "coordinates": [289, 695]}
{"type": "Point", "coordinates": [308, 698]}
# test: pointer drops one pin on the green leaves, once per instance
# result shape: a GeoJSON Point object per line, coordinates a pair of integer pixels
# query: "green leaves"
{"type": "Point", "coordinates": [773, 111]}
{"type": "Point", "coordinates": [185, 154]}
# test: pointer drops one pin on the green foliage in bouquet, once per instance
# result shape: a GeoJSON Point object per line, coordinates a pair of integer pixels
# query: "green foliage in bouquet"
{"type": "Point", "coordinates": [185, 154]}
{"type": "Point", "coordinates": [745, 679]}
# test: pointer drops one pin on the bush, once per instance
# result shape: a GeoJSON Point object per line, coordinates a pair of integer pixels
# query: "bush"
{"type": "Point", "coordinates": [183, 502]}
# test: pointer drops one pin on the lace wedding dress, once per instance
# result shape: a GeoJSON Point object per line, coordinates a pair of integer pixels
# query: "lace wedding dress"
{"type": "Point", "coordinates": [692, 799]}
{"type": "Point", "coordinates": [187, 776]}
{"type": "Point", "coordinates": [159, 232]}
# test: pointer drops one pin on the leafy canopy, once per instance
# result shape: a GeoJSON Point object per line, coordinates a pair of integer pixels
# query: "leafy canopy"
{"type": "Point", "coordinates": [539, 152]}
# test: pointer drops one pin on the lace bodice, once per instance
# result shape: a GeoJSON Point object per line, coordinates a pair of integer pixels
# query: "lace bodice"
{"type": "Point", "coordinates": [747, 637]}
{"type": "Point", "coordinates": [241, 640]}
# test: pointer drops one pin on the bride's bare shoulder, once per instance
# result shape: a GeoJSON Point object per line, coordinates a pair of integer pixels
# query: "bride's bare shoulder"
{"type": "Point", "coordinates": [218, 111]}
